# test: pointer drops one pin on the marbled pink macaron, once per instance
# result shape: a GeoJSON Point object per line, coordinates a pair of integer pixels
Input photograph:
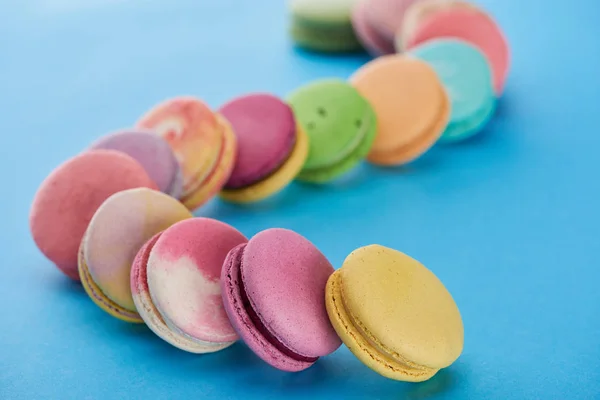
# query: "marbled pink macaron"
{"type": "Point", "coordinates": [175, 284]}
{"type": "Point", "coordinates": [154, 154]}
{"type": "Point", "coordinates": [274, 293]}
{"type": "Point", "coordinates": [368, 35]}
{"type": "Point", "coordinates": [120, 226]}
{"type": "Point", "coordinates": [68, 198]}
{"type": "Point", "coordinates": [472, 26]}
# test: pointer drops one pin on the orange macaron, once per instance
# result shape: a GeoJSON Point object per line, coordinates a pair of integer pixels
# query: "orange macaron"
{"type": "Point", "coordinates": [411, 105]}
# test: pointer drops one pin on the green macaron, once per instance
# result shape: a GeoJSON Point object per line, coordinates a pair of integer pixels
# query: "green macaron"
{"type": "Point", "coordinates": [340, 125]}
{"type": "Point", "coordinates": [323, 25]}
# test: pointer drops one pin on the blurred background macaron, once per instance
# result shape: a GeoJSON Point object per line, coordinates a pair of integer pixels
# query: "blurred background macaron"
{"type": "Point", "coordinates": [323, 25]}
{"type": "Point", "coordinates": [394, 314]}
{"type": "Point", "coordinates": [203, 142]}
{"type": "Point", "coordinates": [387, 16]}
{"type": "Point", "coordinates": [410, 104]}
{"type": "Point", "coordinates": [367, 34]}
{"type": "Point", "coordinates": [68, 198]}
{"type": "Point", "coordinates": [175, 284]}
{"type": "Point", "coordinates": [340, 124]}
{"type": "Point", "coordinates": [272, 147]}
{"type": "Point", "coordinates": [419, 11]}
{"type": "Point", "coordinates": [273, 291]}
{"type": "Point", "coordinates": [116, 232]}
{"type": "Point", "coordinates": [470, 25]}
{"type": "Point", "coordinates": [467, 78]}
{"type": "Point", "coordinates": [152, 152]}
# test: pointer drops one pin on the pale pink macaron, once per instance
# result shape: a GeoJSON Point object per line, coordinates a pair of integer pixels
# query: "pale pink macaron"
{"type": "Point", "coordinates": [175, 284]}
{"type": "Point", "coordinates": [368, 35]}
{"type": "Point", "coordinates": [274, 293]}
{"type": "Point", "coordinates": [472, 26]}
{"type": "Point", "coordinates": [387, 16]}
{"type": "Point", "coordinates": [122, 224]}
{"type": "Point", "coordinates": [68, 198]}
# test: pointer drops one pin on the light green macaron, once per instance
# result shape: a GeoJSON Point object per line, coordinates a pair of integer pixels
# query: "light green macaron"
{"type": "Point", "coordinates": [340, 125]}
{"type": "Point", "coordinates": [321, 25]}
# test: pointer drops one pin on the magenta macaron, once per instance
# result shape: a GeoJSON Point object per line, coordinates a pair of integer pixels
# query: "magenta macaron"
{"type": "Point", "coordinates": [273, 290]}
{"type": "Point", "coordinates": [68, 198]}
{"type": "Point", "coordinates": [152, 152]}
{"type": "Point", "coordinates": [175, 284]}
{"type": "Point", "coordinates": [272, 147]}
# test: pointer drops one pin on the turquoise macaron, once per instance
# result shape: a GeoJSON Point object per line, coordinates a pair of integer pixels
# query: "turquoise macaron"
{"type": "Point", "coordinates": [467, 78]}
{"type": "Point", "coordinates": [340, 124]}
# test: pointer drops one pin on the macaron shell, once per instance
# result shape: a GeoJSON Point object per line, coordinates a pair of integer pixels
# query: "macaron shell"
{"type": "Point", "coordinates": [366, 34]}
{"type": "Point", "coordinates": [192, 131]}
{"type": "Point", "coordinates": [68, 198]}
{"type": "Point", "coordinates": [184, 269]}
{"type": "Point", "coordinates": [337, 119]}
{"type": "Point", "coordinates": [152, 152]}
{"type": "Point", "coordinates": [363, 346]}
{"type": "Point", "coordinates": [265, 129]}
{"type": "Point", "coordinates": [215, 181]}
{"type": "Point", "coordinates": [387, 15]}
{"type": "Point", "coordinates": [324, 39]}
{"type": "Point", "coordinates": [284, 277]}
{"type": "Point", "coordinates": [235, 307]}
{"type": "Point", "coordinates": [277, 180]}
{"type": "Point", "coordinates": [467, 78]}
{"type": "Point", "coordinates": [403, 305]}
{"type": "Point", "coordinates": [150, 314]}
{"type": "Point", "coordinates": [471, 26]}
{"type": "Point", "coordinates": [409, 102]}
{"type": "Point", "coordinates": [99, 298]}
{"type": "Point", "coordinates": [419, 11]}
{"type": "Point", "coordinates": [109, 251]}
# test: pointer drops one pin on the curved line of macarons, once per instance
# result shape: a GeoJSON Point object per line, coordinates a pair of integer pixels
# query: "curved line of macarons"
{"type": "Point", "coordinates": [257, 321]}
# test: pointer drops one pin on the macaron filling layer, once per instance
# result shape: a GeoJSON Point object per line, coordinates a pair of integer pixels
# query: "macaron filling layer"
{"type": "Point", "coordinates": [369, 346]}
{"type": "Point", "coordinates": [155, 320]}
{"type": "Point", "coordinates": [98, 296]}
{"type": "Point", "coordinates": [237, 267]}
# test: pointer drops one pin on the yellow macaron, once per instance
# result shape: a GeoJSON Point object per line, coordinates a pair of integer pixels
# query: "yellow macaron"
{"type": "Point", "coordinates": [394, 314]}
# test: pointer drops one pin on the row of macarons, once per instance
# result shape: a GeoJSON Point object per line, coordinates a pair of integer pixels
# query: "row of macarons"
{"type": "Point", "coordinates": [391, 111]}
{"type": "Point", "coordinates": [394, 26]}
{"type": "Point", "coordinates": [200, 285]}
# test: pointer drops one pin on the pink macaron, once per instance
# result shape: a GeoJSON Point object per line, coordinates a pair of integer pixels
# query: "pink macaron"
{"type": "Point", "coordinates": [175, 283]}
{"type": "Point", "coordinates": [68, 198]}
{"type": "Point", "coordinates": [265, 128]}
{"type": "Point", "coordinates": [274, 293]}
{"type": "Point", "coordinates": [472, 26]}
{"type": "Point", "coordinates": [367, 34]}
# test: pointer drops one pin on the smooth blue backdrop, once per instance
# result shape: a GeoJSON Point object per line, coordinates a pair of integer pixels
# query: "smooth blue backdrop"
{"type": "Point", "coordinates": [509, 220]}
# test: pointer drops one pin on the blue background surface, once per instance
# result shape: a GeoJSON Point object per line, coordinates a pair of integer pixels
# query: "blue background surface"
{"type": "Point", "coordinates": [508, 220]}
